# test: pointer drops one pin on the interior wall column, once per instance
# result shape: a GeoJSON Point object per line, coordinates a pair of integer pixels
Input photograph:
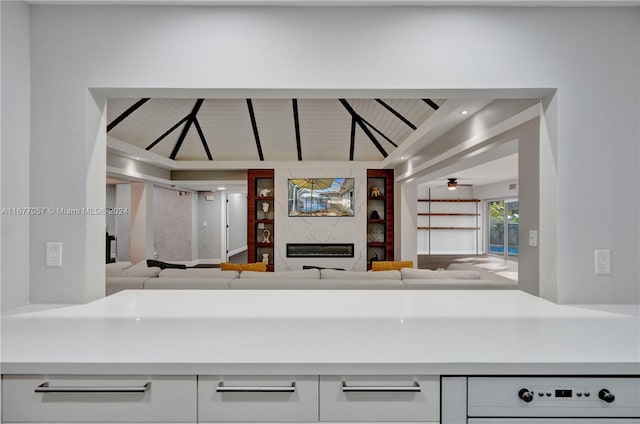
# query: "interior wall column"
{"type": "Point", "coordinates": [548, 234]}
{"type": "Point", "coordinates": [407, 220]}
{"type": "Point", "coordinates": [141, 221]}
{"type": "Point", "coordinates": [224, 222]}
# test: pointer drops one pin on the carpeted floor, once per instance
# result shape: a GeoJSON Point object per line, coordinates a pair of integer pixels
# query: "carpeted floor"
{"type": "Point", "coordinates": [484, 264]}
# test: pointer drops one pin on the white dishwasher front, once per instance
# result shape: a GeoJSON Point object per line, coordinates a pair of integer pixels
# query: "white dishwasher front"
{"type": "Point", "coordinates": [553, 400]}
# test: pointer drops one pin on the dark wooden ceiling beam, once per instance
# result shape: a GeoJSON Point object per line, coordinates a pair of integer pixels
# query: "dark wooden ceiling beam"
{"type": "Point", "coordinates": [431, 103]}
{"type": "Point", "coordinates": [166, 133]}
{"type": "Point", "coordinates": [363, 126]}
{"type": "Point", "coordinates": [296, 122]}
{"type": "Point", "coordinates": [202, 139]}
{"type": "Point", "coordinates": [352, 144]}
{"type": "Point", "coordinates": [190, 118]}
{"type": "Point", "coordinates": [396, 114]}
{"type": "Point", "coordinates": [378, 131]}
{"type": "Point", "coordinates": [126, 113]}
{"type": "Point", "coordinates": [254, 125]}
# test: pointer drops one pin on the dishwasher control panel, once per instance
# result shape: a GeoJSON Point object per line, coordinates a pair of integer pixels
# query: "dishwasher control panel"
{"type": "Point", "coordinates": [554, 397]}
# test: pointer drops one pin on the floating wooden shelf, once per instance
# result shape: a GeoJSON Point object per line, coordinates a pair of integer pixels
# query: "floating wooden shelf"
{"type": "Point", "coordinates": [448, 214]}
{"type": "Point", "coordinates": [264, 244]}
{"type": "Point", "coordinates": [376, 198]}
{"type": "Point", "coordinates": [448, 228]}
{"type": "Point", "coordinates": [377, 221]}
{"type": "Point", "coordinates": [450, 200]}
{"type": "Point", "coordinates": [264, 198]}
{"type": "Point", "coordinates": [264, 221]}
{"type": "Point", "coordinates": [376, 244]}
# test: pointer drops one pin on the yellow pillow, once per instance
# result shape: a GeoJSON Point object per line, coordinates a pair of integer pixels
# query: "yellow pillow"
{"type": "Point", "coordinates": [228, 266]}
{"type": "Point", "coordinates": [390, 265]}
{"type": "Point", "coordinates": [257, 266]}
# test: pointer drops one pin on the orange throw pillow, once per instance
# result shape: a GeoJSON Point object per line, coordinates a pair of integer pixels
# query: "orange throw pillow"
{"type": "Point", "coordinates": [228, 266]}
{"type": "Point", "coordinates": [257, 266]}
{"type": "Point", "coordinates": [390, 265]}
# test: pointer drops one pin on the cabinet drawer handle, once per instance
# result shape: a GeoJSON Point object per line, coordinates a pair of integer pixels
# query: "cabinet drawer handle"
{"type": "Point", "coordinates": [415, 388]}
{"type": "Point", "coordinates": [261, 389]}
{"type": "Point", "coordinates": [45, 388]}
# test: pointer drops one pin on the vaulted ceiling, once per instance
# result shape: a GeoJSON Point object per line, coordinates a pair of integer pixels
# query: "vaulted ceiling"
{"type": "Point", "coordinates": [267, 129]}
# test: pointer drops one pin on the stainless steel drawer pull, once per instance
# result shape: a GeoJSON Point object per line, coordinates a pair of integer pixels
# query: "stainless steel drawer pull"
{"type": "Point", "coordinates": [45, 388]}
{"type": "Point", "coordinates": [261, 389]}
{"type": "Point", "coordinates": [415, 388]}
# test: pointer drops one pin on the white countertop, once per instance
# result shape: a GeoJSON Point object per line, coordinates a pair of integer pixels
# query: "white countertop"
{"type": "Point", "coordinates": [321, 332]}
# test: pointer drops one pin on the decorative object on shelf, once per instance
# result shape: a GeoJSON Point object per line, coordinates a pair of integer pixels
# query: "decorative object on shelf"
{"type": "Point", "coordinates": [265, 209]}
{"type": "Point", "coordinates": [452, 184]}
{"type": "Point", "coordinates": [376, 233]}
{"type": "Point", "coordinates": [375, 215]}
{"type": "Point", "coordinates": [373, 258]}
{"type": "Point", "coordinates": [266, 236]}
{"type": "Point", "coordinates": [375, 192]}
{"type": "Point", "coordinates": [265, 256]}
{"type": "Point", "coordinates": [265, 192]}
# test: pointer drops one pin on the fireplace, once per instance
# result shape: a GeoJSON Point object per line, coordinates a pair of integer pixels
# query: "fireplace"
{"type": "Point", "coordinates": [320, 250]}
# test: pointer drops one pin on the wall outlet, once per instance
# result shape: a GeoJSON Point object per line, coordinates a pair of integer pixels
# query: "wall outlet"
{"type": "Point", "coordinates": [54, 254]}
{"type": "Point", "coordinates": [603, 261]}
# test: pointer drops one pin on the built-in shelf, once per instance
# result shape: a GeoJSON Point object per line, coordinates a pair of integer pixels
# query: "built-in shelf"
{"type": "Point", "coordinates": [380, 230]}
{"type": "Point", "coordinates": [260, 223]}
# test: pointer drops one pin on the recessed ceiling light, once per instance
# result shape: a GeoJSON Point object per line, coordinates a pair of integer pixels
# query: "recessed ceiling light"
{"type": "Point", "coordinates": [222, 188]}
{"type": "Point", "coordinates": [136, 158]}
{"type": "Point", "coordinates": [464, 112]}
{"type": "Point", "coordinates": [402, 158]}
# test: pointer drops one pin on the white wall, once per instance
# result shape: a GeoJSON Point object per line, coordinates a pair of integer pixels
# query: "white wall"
{"type": "Point", "coordinates": [499, 190]}
{"type": "Point", "coordinates": [15, 135]}
{"type": "Point", "coordinates": [237, 221]}
{"type": "Point", "coordinates": [586, 54]}
{"type": "Point", "coordinates": [123, 221]}
{"type": "Point", "coordinates": [172, 224]}
{"type": "Point", "coordinates": [210, 212]}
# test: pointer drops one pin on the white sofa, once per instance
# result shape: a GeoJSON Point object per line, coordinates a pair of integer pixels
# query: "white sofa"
{"type": "Point", "coordinates": [192, 278]}
{"type": "Point", "coordinates": [314, 279]}
{"type": "Point", "coordinates": [124, 276]}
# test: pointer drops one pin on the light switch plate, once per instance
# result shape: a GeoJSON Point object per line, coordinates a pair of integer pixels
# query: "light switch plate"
{"type": "Point", "coordinates": [533, 238]}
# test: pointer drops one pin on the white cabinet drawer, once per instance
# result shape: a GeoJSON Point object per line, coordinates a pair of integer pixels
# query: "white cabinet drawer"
{"type": "Point", "coordinates": [253, 398]}
{"type": "Point", "coordinates": [379, 398]}
{"type": "Point", "coordinates": [59, 398]}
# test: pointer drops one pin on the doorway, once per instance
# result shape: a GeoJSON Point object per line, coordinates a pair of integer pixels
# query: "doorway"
{"type": "Point", "coordinates": [502, 230]}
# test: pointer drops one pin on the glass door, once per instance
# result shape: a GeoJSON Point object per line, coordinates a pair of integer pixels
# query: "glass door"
{"type": "Point", "coordinates": [503, 228]}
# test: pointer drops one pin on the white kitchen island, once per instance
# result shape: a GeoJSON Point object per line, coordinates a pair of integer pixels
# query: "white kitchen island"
{"type": "Point", "coordinates": [202, 335]}
{"type": "Point", "coordinates": [274, 332]}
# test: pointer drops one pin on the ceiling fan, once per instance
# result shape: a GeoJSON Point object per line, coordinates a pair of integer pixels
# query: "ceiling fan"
{"type": "Point", "coordinates": [452, 184]}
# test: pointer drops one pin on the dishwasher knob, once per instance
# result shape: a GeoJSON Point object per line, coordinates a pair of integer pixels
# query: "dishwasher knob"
{"type": "Point", "coordinates": [525, 395]}
{"type": "Point", "coordinates": [606, 395]}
